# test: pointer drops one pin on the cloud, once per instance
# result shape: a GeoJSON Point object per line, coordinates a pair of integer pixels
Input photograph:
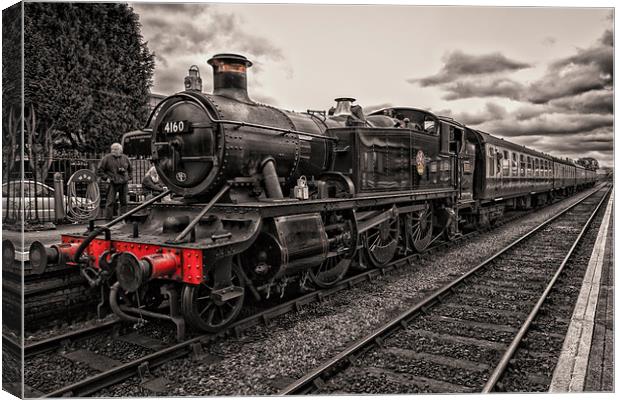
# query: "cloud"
{"type": "Point", "coordinates": [589, 69]}
{"type": "Point", "coordinates": [549, 41]}
{"type": "Point", "coordinates": [173, 8]}
{"type": "Point", "coordinates": [497, 87]}
{"type": "Point", "coordinates": [184, 34]}
{"type": "Point", "coordinates": [458, 64]}
{"type": "Point", "coordinates": [594, 101]}
{"type": "Point", "coordinates": [548, 124]}
{"type": "Point", "coordinates": [375, 107]}
{"type": "Point", "coordinates": [467, 76]}
{"type": "Point", "coordinates": [491, 112]}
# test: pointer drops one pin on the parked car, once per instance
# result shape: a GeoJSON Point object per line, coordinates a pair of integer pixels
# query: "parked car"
{"type": "Point", "coordinates": [38, 201]}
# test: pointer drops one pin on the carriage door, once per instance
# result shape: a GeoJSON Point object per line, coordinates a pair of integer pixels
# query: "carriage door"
{"type": "Point", "coordinates": [467, 161]}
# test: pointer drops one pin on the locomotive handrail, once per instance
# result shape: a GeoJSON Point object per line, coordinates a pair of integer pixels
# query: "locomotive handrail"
{"type": "Point", "coordinates": [140, 207]}
{"type": "Point", "coordinates": [106, 228]}
{"type": "Point", "coordinates": [248, 124]}
{"type": "Point", "coordinates": [273, 128]}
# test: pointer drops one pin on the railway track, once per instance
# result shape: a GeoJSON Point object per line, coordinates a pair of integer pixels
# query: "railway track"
{"type": "Point", "coordinates": [463, 337]}
{"type": "Point", "coordinates": [160, 352]}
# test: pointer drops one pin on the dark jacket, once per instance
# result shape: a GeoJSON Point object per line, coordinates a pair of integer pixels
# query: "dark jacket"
{"type": "Point", "coordinates": [150, 187]}
{"type": "Point", "coordinates": [116, 169]}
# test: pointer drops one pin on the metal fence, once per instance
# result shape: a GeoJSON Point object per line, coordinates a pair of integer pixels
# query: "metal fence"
{"type": "Point", "coordinates": [38, 203]}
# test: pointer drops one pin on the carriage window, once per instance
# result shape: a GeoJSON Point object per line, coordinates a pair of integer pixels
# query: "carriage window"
{"type": "Point", "coordinates": [522, 164]}
{"type": "Point", "coordinates": [529, 166]}
{"type": "Point", "coordinates": [491, 171]}
{"type": "Point", "coordinates": [506, 164]}
{"type": "Point", "coordinates": [536, 167]}
{"type": "Point", "coordinates": [515, 168]}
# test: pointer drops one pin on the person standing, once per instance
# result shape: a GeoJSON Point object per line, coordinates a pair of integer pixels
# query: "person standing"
{"type": "Point", "coordinates": [116, 168]}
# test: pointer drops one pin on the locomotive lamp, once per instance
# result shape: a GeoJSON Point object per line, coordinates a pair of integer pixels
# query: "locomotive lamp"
{"type": "Point", "coordinates": [193, 80]}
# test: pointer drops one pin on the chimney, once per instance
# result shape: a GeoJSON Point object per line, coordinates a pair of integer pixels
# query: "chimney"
{"type": "Point", "coordinates": [229, 76]}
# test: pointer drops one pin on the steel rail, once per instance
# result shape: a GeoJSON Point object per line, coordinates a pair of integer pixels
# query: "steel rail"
{"type": "Point", "coordinates": [12, 345]}
{"type": "Point", "coordinates": [97, 382]}
{"type": "Point", "coordinates": [305, 384]}
{"type": "Point", "coordinates": [51, 343]}
{"type": "Point", "coordinates": [503, 364]}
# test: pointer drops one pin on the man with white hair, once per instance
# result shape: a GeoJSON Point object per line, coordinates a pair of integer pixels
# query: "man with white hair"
{"type": "Point", "coordinates": [116, 168]}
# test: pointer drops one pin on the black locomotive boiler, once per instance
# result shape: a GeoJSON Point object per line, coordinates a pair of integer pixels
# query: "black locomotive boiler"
{"type": "Point", "coordinates": [269, 198]}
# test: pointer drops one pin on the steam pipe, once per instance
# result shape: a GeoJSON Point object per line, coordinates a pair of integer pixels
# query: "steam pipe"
{"type": "Point", "coordinates": [202, 213]}
{"type": "Point", "coordinates": [135, 210]}
{"type": "Point", "coordinates": [272, 184]}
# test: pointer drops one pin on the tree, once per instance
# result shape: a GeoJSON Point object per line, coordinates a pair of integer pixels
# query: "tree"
{"type": "Point", "coordinates": [588, 162]}
{"type": "Point", "coordinates": [11, 88]}
{"type": "Point", "coordinates": [87, 75]}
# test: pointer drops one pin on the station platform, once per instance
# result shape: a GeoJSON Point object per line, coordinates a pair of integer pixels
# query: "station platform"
{"type": "Point", "coordinates": [586, 363]}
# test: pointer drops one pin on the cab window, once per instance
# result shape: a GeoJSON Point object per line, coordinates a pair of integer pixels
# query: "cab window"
{"type": "Point", "coordinates": [515, 170]}
{"type": "Point", "coordinates": [429, 125]}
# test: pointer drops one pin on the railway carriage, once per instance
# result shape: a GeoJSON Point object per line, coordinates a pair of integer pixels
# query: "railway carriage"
{"type": "Point", "coordinates": [270, 199]}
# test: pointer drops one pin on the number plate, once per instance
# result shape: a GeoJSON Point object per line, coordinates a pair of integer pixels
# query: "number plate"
{"type": "Point", "coordinates": [177, 127]}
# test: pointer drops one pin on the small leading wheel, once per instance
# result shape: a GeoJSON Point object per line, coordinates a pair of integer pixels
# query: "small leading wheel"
{"type": "Point", "coordinates": [209, 312]}
{"type": "Point", "coordinates": [420, 226]}
{"type": "Point", "coordinates": [343, 229]}
{"type": "Point", "coordinates": [382, 242]}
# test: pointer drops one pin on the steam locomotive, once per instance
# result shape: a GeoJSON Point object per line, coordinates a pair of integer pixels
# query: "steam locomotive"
{"type": "Point", "coordinates": [268, 199]}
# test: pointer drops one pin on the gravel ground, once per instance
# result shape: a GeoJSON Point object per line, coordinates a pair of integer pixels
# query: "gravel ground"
{"type": "Point", "coordinates": [48, 372]}
{"type": "Point", "coordinates": [298, 342]}
{"type": "Point", "coordinates": [414, 341]}
{"type": "Point", "coordinates": [53, 371]}
{"type": "Point", "coordinates": [11, 372]}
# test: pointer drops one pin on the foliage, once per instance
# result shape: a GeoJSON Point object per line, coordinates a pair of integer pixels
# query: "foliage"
{"type": "Point", "coordinates": [87, 73]}
{"type": "Point", "coordinates": [11, 87]}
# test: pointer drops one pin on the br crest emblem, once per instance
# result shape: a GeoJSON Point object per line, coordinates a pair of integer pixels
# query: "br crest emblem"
{"type": "Point", "coordinates": [181, 176]}
{"type": "Point", "coordinates": [420, 161]}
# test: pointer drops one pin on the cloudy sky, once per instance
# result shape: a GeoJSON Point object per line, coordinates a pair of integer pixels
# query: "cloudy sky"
{"type": "Point", "coordinates": [541, 77]}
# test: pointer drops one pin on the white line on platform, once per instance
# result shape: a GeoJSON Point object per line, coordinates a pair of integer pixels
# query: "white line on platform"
{"type": "Point", "coordinates": [570, 372]}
